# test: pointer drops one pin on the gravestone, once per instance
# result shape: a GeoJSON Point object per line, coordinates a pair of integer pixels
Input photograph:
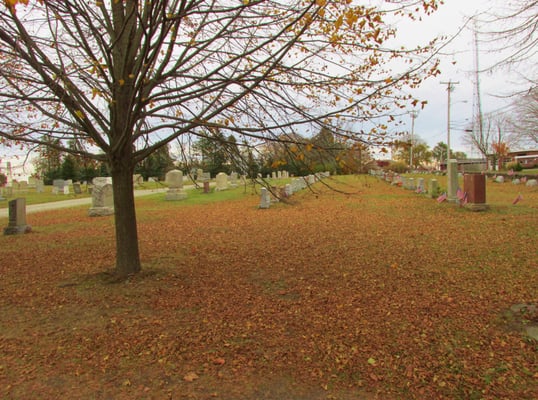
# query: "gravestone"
{"type": "Point", "coordinates": [102, 200]}
{"type": "Point", "coordinates": [66, 189]}
{"type": "Point", "coordinates": [221, 181]}
{"type": "Point", "coordinates": [199, 174]}
{"type": "Point", "coordinates": [288, 190]}
{"type": "Point", "coordinates": [77, 189]}
{"type": "Point", "coordinates": [17, 218]}
{"type": "Point", "coordinates": [516, 181]}
{"type": "Point", "coordinates": [58, 186]}
{"type": "Point", "coordinates": [101, 180]}
{"type": "Point", "coordinates": [265, 199]}
{"type": "Point", "coordinates": [499, 179]}
{"type": "Point", "coordinates": [206, 187]}
{"type": "Point", "coordinates": [411, 184]}
{"type": "Point", "coordinates": [475, 187]}
{"type": "Point", "coordinates": [273, 175]}
{"type": "Point", "coordinates": [39, 186]}
{"type": "Point", "coordinates": [174, 180]}
{"type": "Point", "coordinates": [420, 185]}
{"type": "Point", "coordinates": [452, 176]}
{"type": "Point", "coordinates": [233, 180]}
{"type": "Point", "coordinates": [532, 182]}
{"type": "Point", "coordinates": [433, 188]}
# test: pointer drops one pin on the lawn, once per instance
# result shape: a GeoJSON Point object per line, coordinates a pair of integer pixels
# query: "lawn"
{"type": "Point", "coordinates": [368, 292]}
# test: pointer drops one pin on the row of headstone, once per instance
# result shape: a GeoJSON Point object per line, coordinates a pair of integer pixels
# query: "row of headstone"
{"type": "Point", "coordinates": [278, 175]}
{"type": "Point", "coordinates": [296, 185]}
{"type": "Point", "coordinates": [473, 196]}
{"type": "Point", "coordinates": [517, 181]}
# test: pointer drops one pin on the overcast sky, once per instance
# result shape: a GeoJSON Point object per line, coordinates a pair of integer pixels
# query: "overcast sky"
{"type": "Point", "coordinates": [431, 123]}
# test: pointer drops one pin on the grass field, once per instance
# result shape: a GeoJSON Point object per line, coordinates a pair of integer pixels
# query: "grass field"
{"type": "Point", "coordinates": [368, 292]}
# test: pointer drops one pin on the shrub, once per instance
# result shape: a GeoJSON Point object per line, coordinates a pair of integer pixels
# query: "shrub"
{"type": "Point", "coordinates": [514, 166]}
{"type": "Point", "coordinates": [397, 166]}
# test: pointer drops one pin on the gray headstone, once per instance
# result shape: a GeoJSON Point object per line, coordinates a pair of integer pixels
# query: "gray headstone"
{"type": "Point", "coordinates": [77, 189]}
{"type": "Point", "coordinates": [499, 179]}
{"type": "Point", "coordinates": [265, 199]}
{"type": "Point", "coordinates": [102, 201]}
{"type": "Point", "coordinates": [532, 182]}
{"type": "Point", "coordinates": [174, 180]}
{"type": "Point", "coordinates": [17, 218]}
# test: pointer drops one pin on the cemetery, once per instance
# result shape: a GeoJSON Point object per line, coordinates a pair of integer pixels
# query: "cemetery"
{"type": "Point", "coordinates": [368, 286]}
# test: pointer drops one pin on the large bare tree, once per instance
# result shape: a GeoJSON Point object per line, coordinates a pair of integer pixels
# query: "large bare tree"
{"type": "Point", "coordinates": [125, 77]}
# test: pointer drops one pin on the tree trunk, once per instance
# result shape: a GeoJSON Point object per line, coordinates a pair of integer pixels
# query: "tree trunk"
{"type": "Point", "coordinates": [127, 253]}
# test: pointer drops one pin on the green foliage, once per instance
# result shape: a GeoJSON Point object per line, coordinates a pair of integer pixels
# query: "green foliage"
{"type": "Point", "coordinates": [156, 164]}
{"type": "Point", "coordinates": [515, 166]}
{"type": "Point", "coordinates": [398, 166]}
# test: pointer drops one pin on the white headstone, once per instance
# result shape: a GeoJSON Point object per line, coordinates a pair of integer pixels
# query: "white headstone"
{"type": "Point", "coordinates": [532, 182]}
{"type": "Point", "coordinates": [499, 179]}
{"type": "Point", "coordinates": [174, 179]}
{"type": "Point", "coordinates": [221, 181]}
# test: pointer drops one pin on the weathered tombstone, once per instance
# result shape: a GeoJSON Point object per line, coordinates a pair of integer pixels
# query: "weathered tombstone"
{"type": "Point", "coordinates": [273, 175]}
{"type": "Point", "coordinates": [474, 186]}
{"type": "Point", "coordinates": [499, 179]}
{"type": "Point", "coordinates": [516, 181]}
{"type": "Point", "coordinates": [102, 200]}
{"type": "Point", "coordinates": [288, 190]}
{"type": "Point", "coordinates": [101, 180]}
{"type": "Point", "coordinates": [221, 181]}
{"type": "Point", "coordinates": [411, 184]}
{"type": "Point", "coordinates": [452, 176]}
{"type": "Point", "coordinates": [233, 180]}
{"type": "Point", "coordinates": [66, 189]}
{"type": "Point", "coordinates": [532, 182]}
{"type": "Point", "coordinates": [206, 187]}
{"type": "Point", "coordinates": [17, 218]}
{"type": "Point", "coordinates": [265, 199]}
{"type": "Point", "coordinates": [77, 189]}
{"type": "Point", "coordinates": [433, 188]}
{"type": "Point", "coordinates": [39, 186]}
{"type": "Point", "coordinates": [199, 174]}
{"type": "Point", "coordinates": [174, 180]}
{"type": "Point", "coordinates": [58, 186]}
{"type": "Point", "coordinates": [279, 175]}
{"type": "Point", "coordinates": [420, 185]}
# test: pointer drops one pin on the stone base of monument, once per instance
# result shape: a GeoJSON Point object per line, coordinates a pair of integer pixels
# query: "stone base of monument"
{"type": "Point", "coordinates": [175, 194]}
{"type": "Point", "coordinates": [477, 206]}
{"type": "Point", "coordinates": [100, 211]}
{"type": "Point", "coordinates": [17, 230]}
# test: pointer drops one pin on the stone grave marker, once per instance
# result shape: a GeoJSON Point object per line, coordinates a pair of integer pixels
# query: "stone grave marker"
{"type": "Point", "coordinates": [77, 189]}
{"type": "Point", "coordinates": [102, 201]}
{"type": "Point", "coordinates": [39, 186]}
{"type": "Point", "coordinates": [433, 188]}
{"type": "Point", "coordinates": [17, 218]}
{"type": "Point", "coordinates": [499, 179]}
{"type": "Point", "coordinates": [221, 181]}
{"type": "Point", "coordinates": [58, 186]}
{"type": "Point", "coordinates": [66, 189]}
{"type": "Point", "coordinates": [532, 182]}
{"type": "Point", "coordinates": [474, 186]}
{"type": "Point", "coordinates": [174, 180]}
{"type": "Point", "coordinates": [233, 180]}
{"type": "Point", "coordinates": [265, 198]}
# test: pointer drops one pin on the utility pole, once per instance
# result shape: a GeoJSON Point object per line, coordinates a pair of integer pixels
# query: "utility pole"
{"type": "Point", "coordinates": [451, 173]}
{"type": "Point", "coordinates": [449, 89]}
{"type": "Point", "coordinates": [413, 115]}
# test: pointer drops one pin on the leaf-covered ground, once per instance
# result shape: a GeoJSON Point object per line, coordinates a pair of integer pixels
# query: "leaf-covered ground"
{"type": "Point", "coordinates": [377, 294]}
